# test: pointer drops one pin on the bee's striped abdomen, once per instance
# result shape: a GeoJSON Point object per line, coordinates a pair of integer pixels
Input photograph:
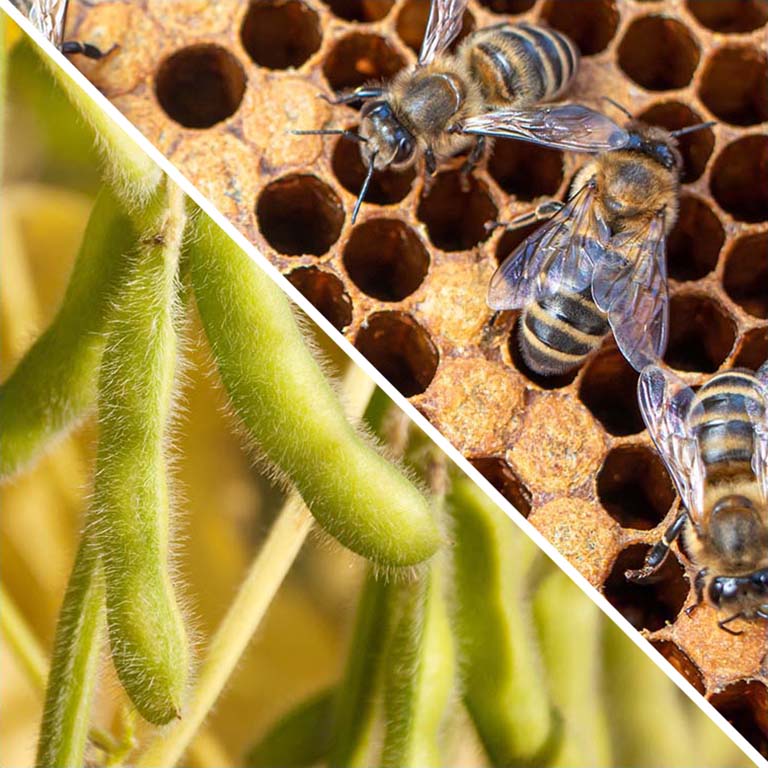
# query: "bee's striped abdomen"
{"type": "Point", "coordinates": [722, 419]}
{"type": "Point", "coordinates": [520, 64]}
{"type": "Point", "coordinates": [558, 331]}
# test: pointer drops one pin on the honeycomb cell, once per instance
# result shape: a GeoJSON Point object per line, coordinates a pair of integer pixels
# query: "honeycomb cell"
{"type": "Point", "coordinates": [695, 147]}
{"type": "Point", "coordinates": [299, 214]}
{"type": "Point", "coordinates": [681, 663]}
{"type": "Point", "coordinates": [591, 24]}
{"type": "Point", "coordinates": [545, 382]}
{"type": "Point", "coordinates": [647, 606]}
{"type": "Point", "coordinates": [401, 349]}
{"type": "Point", "coordinates": [360, 10]}
{"type": "Point", "coordinates": [581, 532]}
{"type": "Point", "coordinates": [733, 85]}
{"type": "Point", "coordinates": [455, 211]}
{"type": "Point", "coordinates": [526, 171]}
{"type": "Point", "coordinates": [280, 34]}
{"type": "Point", "coordinates": [359, 58]}
{"type": "Point", "coordinates": [658, 53]}
{"type": "Point", "coordinates": [386, 259]}
{"type": "Point", "coordinates": [746, 274]}
{"type": "Point", "coordinates": [753, 350]}
{"type": "Point", "coordinates": [738, 178]}
{"type": "Point", "coordinates": [729, 16]}
{"type": "Point", "coordinates": [701, 334]}
{"type": "Point", "coordinates": [386, 188]}
{"type": "Point", "coordinates": [508, 7]}
{"type": "Point", "coordinates": [695, 241]}
{"type": "Point", "coordinates": [200, 85]}
{"type": "Point", "coordinates": [500, 475]}
{"type": "Point", "coordinates": [634, 487]}
{"type": "Point", "coordinates": [412, 23]}
{"type": "Point", "coordinates": [463, 403]}
{"type": "Point", "coordinates": [560, 446]}
{"type": "Point", "coordinates": [609, 389]}
{"type": "Point", "coordinates": [745, 705]}
{"type": "Point", "coordinates": [326, 292]}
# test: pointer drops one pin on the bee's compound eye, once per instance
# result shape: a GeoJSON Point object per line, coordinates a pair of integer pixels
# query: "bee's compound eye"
{"type": "Point", "coordinates": [759, 580]}
{"type": "Point", "coordinates": [405, 147]}
{"type": "Point", "coordinates": [376, 109]}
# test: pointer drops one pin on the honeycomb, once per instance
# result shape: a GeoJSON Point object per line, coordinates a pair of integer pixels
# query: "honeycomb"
{"type": "Point", "coordinates": [217, 87]}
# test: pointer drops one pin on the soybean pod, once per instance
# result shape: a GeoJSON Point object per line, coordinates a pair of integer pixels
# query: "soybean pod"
{"type": "Point", "coordinates": [129, 517]}
{"type": "Point", "coordinates": [569, 631]}
{"type": "Point", "coordinates": [54, 384]}
{"type": "Point", "coordinates": [419, 674]}
{"type": "Point", "coordinates": [355, 703]}
{"type": "Point", "coordinates": [503, 673]}
{"type": "Point", "coordinates": [290, 411]}
{"type": "Point", "coordinates": [646, 709]}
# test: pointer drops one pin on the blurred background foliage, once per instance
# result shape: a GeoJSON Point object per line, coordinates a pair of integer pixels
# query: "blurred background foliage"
{"type": "Point", "coordinates": [224, 506]}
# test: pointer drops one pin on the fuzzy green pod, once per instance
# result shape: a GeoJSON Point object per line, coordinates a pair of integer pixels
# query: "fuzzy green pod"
{"type": "Point", "coordinates": [355, 702]}
{"type": "Point", "coordinates": [300, 738]}
{"type": "Point", "coordinates": [419, 674]}
{"type": "Point", "coordinates": [72, 677]}
{"type": "Point", "coordinates": [54, 384]}
{"type": "Point", "coordinates": [129, 518]}
{"type": "Point", "coordinates": [569, 627]}
{"type": "Point", "coordinates": [649, 724]}
{"type": "Point", "coordinates": [291, 412]}
{"type": "Point", "coordinates": [502, 670]}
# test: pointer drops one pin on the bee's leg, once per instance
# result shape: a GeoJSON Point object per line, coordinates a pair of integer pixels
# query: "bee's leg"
{"type": "Point", "coordinates": [698, 589]}
{"type": "Point", "coordinates": [724, 624]}
{"type": "Point", "coordinates": [539, 213]}
{"type": "Point", "coordinates": [430, 162]}
{"type": "Point", "coordinates": [359, 94]}
{"type": "Point", "coordinates": [658, 554]}
{"type": "Point", "coordinates": [86, 49]}
{"type": "Point", "coordinates": [491, 331]}
{"type": "Point", "coordinates": [474, 156]}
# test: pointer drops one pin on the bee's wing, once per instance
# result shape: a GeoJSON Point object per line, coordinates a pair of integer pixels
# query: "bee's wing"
{"type": "Point", "coordinates": [760, 456]}
{"type": "Point", "coordinates": [571, 127]}
{"type": "Point", "coordinates": [444, 24]}
{"type": "Point", "coordinates": [48, 16]}
{"type": "Point", "coordinates": [665, 401]}
{"type": "Point", "coordinates": [632, 290]}
{"type": "Point", "coordinates": [555, 255]}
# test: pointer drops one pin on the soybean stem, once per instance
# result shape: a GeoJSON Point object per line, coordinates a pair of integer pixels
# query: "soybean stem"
{"type": "Point", "coordinates": [76, 652]}
{"type": "Point", "coordinates": [259, 587]}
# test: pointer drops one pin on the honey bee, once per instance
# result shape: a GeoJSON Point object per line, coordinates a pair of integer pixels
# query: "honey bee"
{"type": "Point", "coordinates": [715, 445]}
{"type": "Point", "coordinates": [489, 88]}
{"type": "Point", "coordinates": [49, 17]}
{"type": "Point", "coordinates": [599, 262]}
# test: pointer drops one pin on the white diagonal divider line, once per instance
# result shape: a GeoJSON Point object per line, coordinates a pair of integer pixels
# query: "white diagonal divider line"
{"type": "Point", "coordinates": [357, 357]}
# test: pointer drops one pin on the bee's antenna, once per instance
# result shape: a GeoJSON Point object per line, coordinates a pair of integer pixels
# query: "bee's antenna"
{"type": "Point", "coordinates": [692, 128]}
{"type": "Point", "coordinates": [364, 188]}
{"type": "Point", "coordinates": [331, 132]}
{"type": "Point", "coordinates": [617, 105]}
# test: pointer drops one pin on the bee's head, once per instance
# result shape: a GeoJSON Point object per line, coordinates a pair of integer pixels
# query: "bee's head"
{"type": "Point", "coordinates": [387, 142]}
{"type": "Point", "coordinates": [656, 143]}
{"type": "Point", "coordinates": [747, 595]}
